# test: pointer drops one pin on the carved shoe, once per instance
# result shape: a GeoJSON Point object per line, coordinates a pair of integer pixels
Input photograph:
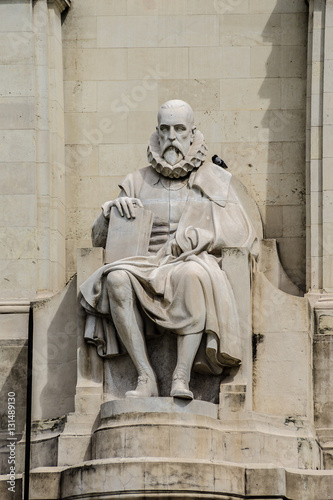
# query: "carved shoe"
{"type": "Point", "coordinates": [179, 388]}
{"type": "Point", "coordinates": [146, 388]}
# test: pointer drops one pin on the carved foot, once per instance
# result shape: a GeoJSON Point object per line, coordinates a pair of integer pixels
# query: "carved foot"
{"type": "Point", "coordinates": [180, 388]}
{"type": "Point", "coordinates": [146, 388]}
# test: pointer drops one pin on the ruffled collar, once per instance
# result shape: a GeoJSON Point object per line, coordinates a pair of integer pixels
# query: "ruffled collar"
{"type": "Point", "coordinates": [194, 158]}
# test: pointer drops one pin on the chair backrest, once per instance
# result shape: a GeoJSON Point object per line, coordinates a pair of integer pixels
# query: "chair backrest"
{"type": "Point", "coordinates": [249, 205]}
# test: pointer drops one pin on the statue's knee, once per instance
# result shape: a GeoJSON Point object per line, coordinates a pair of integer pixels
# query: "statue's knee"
{"type": "Point", "coordinates": [193, 271]}
{"type": "Point", "coordinates": [118, 284]}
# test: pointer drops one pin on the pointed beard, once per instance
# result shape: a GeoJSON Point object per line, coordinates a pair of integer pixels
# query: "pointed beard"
{"type": "Point", "coordinates": [172, 155]}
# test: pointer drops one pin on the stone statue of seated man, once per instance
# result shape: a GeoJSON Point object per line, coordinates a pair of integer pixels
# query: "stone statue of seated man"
{"type": "Point", "coordinates": [180, 284]}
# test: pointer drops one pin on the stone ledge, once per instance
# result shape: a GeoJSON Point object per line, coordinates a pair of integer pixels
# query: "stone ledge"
{"type": "Point", "coordinates": [14, 306]}
{"type": "Point", "coordinates": [179, 479]}
{"type": "Point", "coordinates": [158, 405]}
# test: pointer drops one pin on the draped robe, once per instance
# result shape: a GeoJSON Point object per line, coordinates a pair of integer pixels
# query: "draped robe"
{"type": "Point", "coordinates": [184, 294]}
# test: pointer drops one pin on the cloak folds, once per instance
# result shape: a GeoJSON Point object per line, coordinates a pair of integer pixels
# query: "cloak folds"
{"type": "Point", "coordinates": [190, 293]}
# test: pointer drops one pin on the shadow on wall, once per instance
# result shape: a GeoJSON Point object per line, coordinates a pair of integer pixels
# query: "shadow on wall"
{"type": "Point", "coordinates": [15, 357]}
{"type": "Point", "coordinates": [283, 128]}
{"type": "Point", "coordinates": [57, 361]}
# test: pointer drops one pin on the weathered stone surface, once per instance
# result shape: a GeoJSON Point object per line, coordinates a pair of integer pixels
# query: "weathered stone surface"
{"type": "Point", "coordinates": [281, 351]}
{"type": "Point", "coordinates": [156, 478]}
{"type": "Point", "coordinates": [14, 318]}
{"type": "Point", "coordinates": [159, 427]}
{"type": "Point", "coordinates": [17, 490]}
{"type": "Point", "coordinates": [45, 484]}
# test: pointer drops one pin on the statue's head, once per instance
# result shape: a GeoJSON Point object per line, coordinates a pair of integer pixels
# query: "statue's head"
{"type": "Point", "coordinates": [175, 130]}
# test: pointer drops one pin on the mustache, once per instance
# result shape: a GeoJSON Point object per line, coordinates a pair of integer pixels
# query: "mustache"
{"type": "Point", "coordinates": [175, 145]}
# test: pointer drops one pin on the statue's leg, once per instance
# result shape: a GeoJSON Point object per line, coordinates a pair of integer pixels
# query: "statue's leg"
{"type": "Point", "coordinates": [129, 325]}
{"type": "Point", "coordinates": [189, 284]}
{"type": "Point", "coordinates": [187, 347]}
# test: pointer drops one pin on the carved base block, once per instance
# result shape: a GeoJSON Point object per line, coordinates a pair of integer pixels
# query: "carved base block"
{"type": "Point", "coordinates": [140, 479]}
{"type": "Point", "coordinates": [173, 448]}
{"type": "Point", "coordinates": [174, 428]}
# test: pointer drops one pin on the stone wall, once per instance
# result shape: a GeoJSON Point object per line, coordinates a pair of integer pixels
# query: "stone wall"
{"type": "Point", "coordinates": [17, 124]}
{"type": "Point", "coordinates": [32, 200]}
{"type": "Point", "coordinates": [241, 64]}
{"type": "Point", "coordinates": [32, 190]}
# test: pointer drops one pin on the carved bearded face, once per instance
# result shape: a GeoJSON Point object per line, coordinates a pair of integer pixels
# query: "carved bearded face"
{"type": "Point", "coordinates": [175, 131]}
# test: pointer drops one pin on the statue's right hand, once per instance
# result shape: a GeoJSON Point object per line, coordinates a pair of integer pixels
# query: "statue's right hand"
{"type": "Point", "coordinates": [125, 206]}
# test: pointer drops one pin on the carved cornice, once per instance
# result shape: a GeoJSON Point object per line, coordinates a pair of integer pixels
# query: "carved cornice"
{"type": "Point", "coordinates": [60, 4]}
{"type": "Point", "coordinates": [14, 306]}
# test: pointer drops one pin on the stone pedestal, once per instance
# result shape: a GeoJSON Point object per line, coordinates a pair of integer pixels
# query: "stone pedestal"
{"type": "Point", "coordinates": [139, 479]}
{"type": "Point", "coordinates": [157, 428]}
{"type": "Point", "coordinates": [243, 417]}
{"type": "Point", "coordinates": [169, 448]}
{"type": "Point", "coordinates": [170, 428]}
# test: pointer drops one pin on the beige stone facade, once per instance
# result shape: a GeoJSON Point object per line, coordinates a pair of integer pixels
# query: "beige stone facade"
{"type": "Point", "coordinates": [104, 73]}
{"type": "Point", "coordinates": [241, 65]}
{"type": "Point", "coordinates": [80, 86]}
